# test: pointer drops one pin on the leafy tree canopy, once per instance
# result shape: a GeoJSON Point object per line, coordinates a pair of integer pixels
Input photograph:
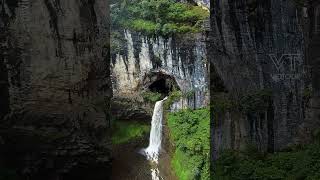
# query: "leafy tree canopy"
{"type": "Point", "coordinates": [160, 17]}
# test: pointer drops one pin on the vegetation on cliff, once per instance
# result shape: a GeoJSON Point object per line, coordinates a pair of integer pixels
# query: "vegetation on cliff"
{"type": "Point", "coordinates": [190, 134]}
{"type": "Point", "coordinates": [300, 162]}
{"type": "Point", "coordinates": [161, 17]}
{"type": "Point", "coordinates": [151, 97]}
{"type": "Point", "coordinates": [126, 131]}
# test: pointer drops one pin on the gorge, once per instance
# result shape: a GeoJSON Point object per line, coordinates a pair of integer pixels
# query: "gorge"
{"type": "Point", "coordinates": [152, 60]}
{"type": "Point", "coordinates": [159, 89]}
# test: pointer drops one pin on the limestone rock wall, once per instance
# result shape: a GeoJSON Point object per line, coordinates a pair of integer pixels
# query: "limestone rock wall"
{"type": "Point", "coordinates": [142, 60]}
{"type": "Point", "coordinates": [55, 88]}
{"type": "Point", "coordinates": [259, 46]}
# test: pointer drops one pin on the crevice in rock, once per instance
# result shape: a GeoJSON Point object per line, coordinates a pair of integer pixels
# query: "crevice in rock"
{"type": "Point", "coordinates": [54, 25]}
{"type": "Point", "coordinates": [4, 87]}
{"type": "Point", "coordinates": [137, 44]}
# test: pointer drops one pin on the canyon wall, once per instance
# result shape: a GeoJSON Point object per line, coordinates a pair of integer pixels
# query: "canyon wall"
{"type": "Point", "coordinates": [143, 60]}
{"type": "Point", "coordinates": [55, 88]}
{"type": "Point", "coordinates": [261, 65]}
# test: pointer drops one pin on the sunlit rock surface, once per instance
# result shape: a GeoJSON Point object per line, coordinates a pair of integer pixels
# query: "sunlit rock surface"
{"type": "Point", "coordinates": [145, 60]}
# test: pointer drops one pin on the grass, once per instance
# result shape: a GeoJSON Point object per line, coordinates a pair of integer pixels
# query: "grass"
{"type": "Point", "coordinates": [126, 131]}
{"type": "Point", "coordinates": [190, 134]}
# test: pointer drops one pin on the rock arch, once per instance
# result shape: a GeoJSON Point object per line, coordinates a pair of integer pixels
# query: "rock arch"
{"type": "Point", "coordinates": [160, 82]}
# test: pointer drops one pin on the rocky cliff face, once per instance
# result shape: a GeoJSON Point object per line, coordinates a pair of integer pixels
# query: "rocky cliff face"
{"type": "Point", "coordinates": [261, 66]}
{"type": "Point", "coordinates": [144, 61]}
{"type": "Point", "coordinates": [54, 88]}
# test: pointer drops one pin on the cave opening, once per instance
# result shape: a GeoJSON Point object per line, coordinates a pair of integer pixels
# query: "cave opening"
{"type": "Point", "coordinates": [164, 85]}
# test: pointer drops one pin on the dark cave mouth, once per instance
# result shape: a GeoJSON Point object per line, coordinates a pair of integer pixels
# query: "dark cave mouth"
{"type": "Point", "coordinates": [164, 85]}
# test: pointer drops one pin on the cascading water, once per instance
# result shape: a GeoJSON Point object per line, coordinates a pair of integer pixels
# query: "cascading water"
{"type": "Point", "coordinates": [152, 151]}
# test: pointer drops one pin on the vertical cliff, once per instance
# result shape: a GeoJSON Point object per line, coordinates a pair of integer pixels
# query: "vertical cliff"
{"type": "Point", "coordinates": [312, 32]}
{"type": "Point", "coordinates": [261, 74]}
{"type": "Point", "coordinates": [144, 61]}
{"type": "Point", "coordinates": [55, 88]}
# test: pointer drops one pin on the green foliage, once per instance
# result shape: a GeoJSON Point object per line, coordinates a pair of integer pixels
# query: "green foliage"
{"type": "Point", "coordinates": [151, 97]}
{"type": "Point", "coordinates": [164, 17]}
{"type": "Point", "coordinates": [144, 26]}
{"type": "Point", "coordinates": [173, 96]}
{"type": "Point", "coordinates": [125, 131]}
{"type": "Point", "coordinates": [295, 164]}
{"type": "Point", "coordinates": [190, 133]}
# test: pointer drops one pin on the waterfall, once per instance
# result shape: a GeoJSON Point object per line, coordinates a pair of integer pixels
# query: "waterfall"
{"type": "Point", "coordinates": [152, 151]}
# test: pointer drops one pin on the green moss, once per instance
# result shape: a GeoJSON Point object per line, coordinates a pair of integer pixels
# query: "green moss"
{"type": "Point", "coordinates": [125, 131]}
{"type": "Point", "coordinates": [148, 27]}
{"type": "Point", "coordinates": [190, 134]}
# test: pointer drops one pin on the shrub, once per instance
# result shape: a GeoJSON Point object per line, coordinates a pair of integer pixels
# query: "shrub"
{"type": "Point", "coordinates": [294, 164]}
{"type": "Point", "coordinates": [148, 27]}
{"type": "Point", "coordinates": [173, 96]}
{"type": "Point", "coordinates": [190, 134]}
{"type": "Point", "coordinates": [151, 97]}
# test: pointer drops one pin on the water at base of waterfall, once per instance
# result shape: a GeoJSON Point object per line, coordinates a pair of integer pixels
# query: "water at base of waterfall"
{"type": "Point", "coordinates": [152, 151]}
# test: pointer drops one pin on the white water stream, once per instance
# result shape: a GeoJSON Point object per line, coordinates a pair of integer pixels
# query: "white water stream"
{"type": "Point", "coordinates": [152, 151]}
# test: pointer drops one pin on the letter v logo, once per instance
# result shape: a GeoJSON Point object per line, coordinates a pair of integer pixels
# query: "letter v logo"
{"type": "Point", "coordinates": [277, 62]}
